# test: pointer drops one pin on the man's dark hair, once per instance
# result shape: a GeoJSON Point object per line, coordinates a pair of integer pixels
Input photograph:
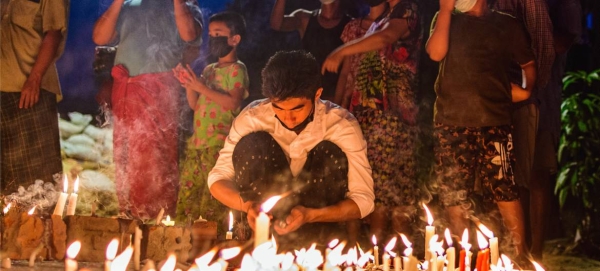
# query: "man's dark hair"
{"type": "Point", "coordinates": [234, 21]}
{"type": "Point", "coordinates": [291, 74]}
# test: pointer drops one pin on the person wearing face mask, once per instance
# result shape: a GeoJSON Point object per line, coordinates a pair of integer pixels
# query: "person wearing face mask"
{"type": "Point", "coordinates": [319, 31]}
{"type": "Point", "coordinates": [384, 102]}
{"type": "Point", "coordinates": [295, 145]}
{"type": "Point", "coordinates": [215, 98]}
{"type": "Point", "coordinates": [476, 47]}
{"type": "Point", "coordinates": [153, 36]}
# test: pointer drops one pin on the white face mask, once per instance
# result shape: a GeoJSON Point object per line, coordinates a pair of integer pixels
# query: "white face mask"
{"type": "Point", "coordinates": [327, 2]}
{"type": "Point", "coordinates": [464, 5]}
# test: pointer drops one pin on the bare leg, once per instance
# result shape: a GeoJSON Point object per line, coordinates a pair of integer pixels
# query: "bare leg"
{"type": "Point", "coordinates": [540, 190]}
{"type": "Point", "coordinates": [458, 219]}
{"type": "Point", "coordinates": [401, 220]}
{"type": "Point", "coordinates": [352, 228]}
{"type": "Point", "coordinates": [512, 213]}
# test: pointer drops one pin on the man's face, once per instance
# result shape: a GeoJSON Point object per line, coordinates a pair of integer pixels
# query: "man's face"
{"type": "Point", "coordinates": [293, 111]}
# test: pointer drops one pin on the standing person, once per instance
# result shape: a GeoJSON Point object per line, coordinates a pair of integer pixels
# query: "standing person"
{"type": "Point", "coordinates": [152, 37]}
{"type": "Point", "coordinates": [475, 47]}
{"type": "Point", "coordinates": [215, 98]}
{"type": "Point", "coordinates": [295, 144]}
{"type": "Point", "coordinates": [319, 30]}
{"type": "Point", "coordinates": [33, 36]}
{"type": "Point", "coordinates": [355, 29]}
{"type": "Point", "coordinates": [385, 105]}
{"type": "Point", "coordinates": [533, 14]}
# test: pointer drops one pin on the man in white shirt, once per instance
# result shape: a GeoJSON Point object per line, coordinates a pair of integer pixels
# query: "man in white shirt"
{"type": "Point", "coordinates": [295, 144]}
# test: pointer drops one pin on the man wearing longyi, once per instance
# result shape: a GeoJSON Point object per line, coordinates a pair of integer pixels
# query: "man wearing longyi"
{"type": "Point", "coordinates": [293, 144]}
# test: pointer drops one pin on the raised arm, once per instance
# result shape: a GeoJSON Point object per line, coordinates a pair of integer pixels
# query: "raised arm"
{"type": "Point", "coordinates": [437, 45]}
{"type": "Point", "coordinates": [393, 31]}
{"type": "Point", "coordinates": [295, 21]}
{"type": "Point", "coordinates": [188, 26]}
{"type": "Point", "coordinates": [104, 30]}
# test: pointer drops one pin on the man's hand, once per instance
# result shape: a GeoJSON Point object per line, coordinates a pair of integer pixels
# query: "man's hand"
{"type": "Point", "coordinates": [30, 93]}
{"type": "Point", "coordinates": [296, 218]}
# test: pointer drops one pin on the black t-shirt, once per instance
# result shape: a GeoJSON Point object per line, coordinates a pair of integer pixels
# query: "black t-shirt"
{"type": "Point", "coordinates": [473, 86]}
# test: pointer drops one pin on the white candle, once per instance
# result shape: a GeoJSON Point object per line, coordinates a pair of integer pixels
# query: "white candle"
{"type": "Point", "coordinates": [386, 262]}
{"type": "Point", "coordinates": [137, 248]}
{"type": "Point", "coordinates": [168, 221]}
{"type": "Point", "coordinates": [494, 253]}
{"type": "Point", "coordinates": [229, 234]}
{"type": "Point", "coordinates": [73, 198]}
{"type": "Point", "coordinates": [432, 262]}
{"type": "Point", "coordinates": [375, 251]}
{"type": "Point", "coordinates": [429, 232]}
{"type": "Point", "coordinates": [72, 251]}
{"type": "Point", "coordinates": [111, 252]}
{"type": "Point", "coordinates": [160, 215]}
{"type": "Point", "coordinates": [62, 198]}
{"type": "Point", "coordinates": [397, 263]}
{"type": "Point", "coordinates": [450, 252]}
{"type": "Point", "coordinates": [263, 222]}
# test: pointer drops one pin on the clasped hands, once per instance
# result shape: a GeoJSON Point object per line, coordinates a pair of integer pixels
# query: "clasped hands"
{"type": "Point", "coordinates": [293, 221]}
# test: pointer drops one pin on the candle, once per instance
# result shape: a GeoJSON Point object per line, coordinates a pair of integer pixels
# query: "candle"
{"type": "Point", "coordinates": [73, 198]}
{"type": "Point", "coordinates": [375, 251]}
{"type": "Point", "coordinates": [34, 254]}
{"type": "Point", "coordinates": [263, 222]}
{"type": "Point", "coordinates": [169, 265]}
{"type": "Point", "coordinates": [429, 232]}
{"type": "Point", "coordinates": [160, 215]}
{"type": "Point", "coordinates": [137, 248]}
{"type": "Point", "coordinates": [121, 262]}
{"type": "Point", "coordinates": [6, 263]}
{"type": "Point", "coordinates": [537, 266]}
{"type": "Point", "coordinates": [483, 254]}
{"type": "Point", "coordinates": [72, 251]}
{"type": "Point", "coordinates": [62, 198]}
{"type": "Point", "coordinates": [465, 258]}
{"type": "Point", "coordinates": [6, 208]}
{"type": "Point", "coordinates": [410, 262]}
{"type": "Point", "coordinates": [168, 221]}
{"type": "Point", "coordinates": [229, 234]}
{"type": "Point", "coordinates": [494, 252]}
{"type": "Point", "coordinates": [386, 262]}
{"type": "Point", "coordinates": [397, 264]}
{"type": "Point", "coordinates": [111, 252]}
{"type": "Point", "coordinates": [94, 207]}
{"type": "Point", "coordinates": [450, 252]}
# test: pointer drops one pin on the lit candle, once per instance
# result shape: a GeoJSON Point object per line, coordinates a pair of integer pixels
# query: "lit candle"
{"type": "Point", "coordinates": [121, 262]}
{"type": "Point", "coordinates": [73, 198]}
{"type": "Point", "coordinates": [263, 222]}
{"type": "Point", "coordinates": [94, 207]}
{"type": "Point", "coordinates": [137, 248]}
{"type": "Point", "coordinates": [72, 251]}
{"type": "Point", "coordinates": [389, 250]}
{"type": "Point", "coordinates": [168, 221]}
{"type": "Point", "coordinates": [227, 254]}
{"type": "Point", "coordinates": [229, 234]}
{"type": "Point", "coordinates": [31, 211]}
{"type": "Point", "coordinates": [429, 232]}
{"type": "Point", "coordinates": [111, 252]}
{"type": "Point", "coordinates": [465, 258]}
{"type": "Point", "coordinates": [397, 264]}
{"type": "Point", "coordinates": [494, 252]}
{"type": "Point", "coordinates": [170, 263]}
{"type": "Point", "coordinates": [537, 266]}
{"type": "Point", "coordinates": [160, 215]}
{"type": "Point", "coordinates": [483, 254]}
{"type": "Point", "coordinates": [375, 251]}
{"type": "Point", "coordinates": [410, 262]}
{"type": "Point", "coordinates": [434, 247]}
{"type": "Point", "coordinates": [62, 198]}
{"type": "Point", "coordinates": [6, 208]}
{"type": "Point", "coordinates": [450, 252]}
{"type": "Point", "coordinates": [386, 262]}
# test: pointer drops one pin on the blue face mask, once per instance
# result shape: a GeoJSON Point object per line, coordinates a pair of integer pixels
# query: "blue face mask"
{"type": "Point", "coordinates": [218, 46]}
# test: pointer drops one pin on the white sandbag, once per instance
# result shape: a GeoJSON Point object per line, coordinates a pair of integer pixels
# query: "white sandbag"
{"type": "Point", "coordinates": [81, 139]}
{"type": "Point", "coordinates": [82, 152]}
{"type": "Point", "coordinates": [96, 133]}
{"type": "Point", "coordinates": [80, 119]}
{"type": "Point", "coordinates": [68, 129]}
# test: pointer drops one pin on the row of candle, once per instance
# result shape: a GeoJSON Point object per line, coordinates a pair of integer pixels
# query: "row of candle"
{"type": "Point", "coordinates": [62, 198]}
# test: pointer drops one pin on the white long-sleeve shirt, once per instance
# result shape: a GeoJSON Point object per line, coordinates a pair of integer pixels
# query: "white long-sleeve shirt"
{"type": "Point", "coordinates": [330, 122]}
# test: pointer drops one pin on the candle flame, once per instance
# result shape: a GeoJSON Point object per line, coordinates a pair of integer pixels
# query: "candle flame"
{"type": "Point", "coordinates": [333, 243]}
{"type": "Point", "coordinates": [448, 237]}
{"type": "Point", "coordinates": [487, 232]}
{"type": "Point", "coordinates": [429, 216]}
{"type": "Point", "coordinates": [408, 251]}
{"type": "Point", "coordinates": [352, 257]}
{"type": "Point", "coordinates": [203, 260]}
{"type": "Point", "coordinates": [374, 240]}
{"type": "Point", "coordinates": [435, 246]}
{"type": "Point", "coordinates": [391, 244]}
{"type": "Point", "coordinates": [73, 250]}
{"type": "Point", "coordinates": [405, 240]}
{"type": "Point", "coordinates": [465, 240]}
{"type": "Point", "coordinates": [169, 265]}
{"type": "Point", "coordinates": [537, 266]}
{"type": "Point", "coordinates": [32, 210]}
{"type": "Point", "coordinates": [121, 262]}
{"type": "Point", "coordinates": [364, 259]}
{"type": "Point", "coordinates": [76, 185]}
{"type": "Point", "coordinates": [267, 205]}
{"type": "Point", "coordinates": [483, 243]}
{"type": "Point", "coordinates": [168, 218]}
{"type": "Point", "coordinates": [65, 183]}
{"type": "Point", "coordinates": [507, 262]}
{"type": "Point", "coordinates": [5, 210]}
{"type": "Point", "coordinates": [288, 261]}
{"type": "Point", "coordinates": [111, 249]}
{"type": "Point", "coordinates": [230, 220]}
{"type": "Point", "coordinates": [229, 253]}
{"type": "Point", "coordinates": [248, 263]}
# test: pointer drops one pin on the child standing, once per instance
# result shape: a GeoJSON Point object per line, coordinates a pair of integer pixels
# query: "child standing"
{"type": "Point", "coordinates": [215, 98]}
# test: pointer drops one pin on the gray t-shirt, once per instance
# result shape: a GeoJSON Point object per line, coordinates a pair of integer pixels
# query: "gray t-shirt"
{"type": "Point", "coordinates": [473, 86]}
{"type": "Point", "coordinates": [148, 38]}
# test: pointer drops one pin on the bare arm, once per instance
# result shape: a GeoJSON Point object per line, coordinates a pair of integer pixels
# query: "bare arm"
{"type": "Point", "coordinates": [281, 22]}
{"type": "Point", "coordinates": [104, 30]}
{"type": "Point", "coordinates": [228, 100]}
{"type": "Point", "coordinates": [437, 45]}
{"type": "Point", "coordinates": [226, 193]}
{"type": "Point", "coordinates": [300, 215]}
{"type": "Point", "coordinates": [30, 92]}
{"type": "Point", "coordinates": [393, 31]}
{"type": "Point", "coordinates": [519, 93]}
{"type": "Point", "coordinates": [189, 29]}
{"type": "Point", "coordinates": [341, 93]}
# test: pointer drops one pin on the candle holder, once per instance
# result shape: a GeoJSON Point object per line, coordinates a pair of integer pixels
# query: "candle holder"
{"type": "Point", "coordinates": [158, 241]}
{"type": "Point", "coordinates": [22, 234]}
